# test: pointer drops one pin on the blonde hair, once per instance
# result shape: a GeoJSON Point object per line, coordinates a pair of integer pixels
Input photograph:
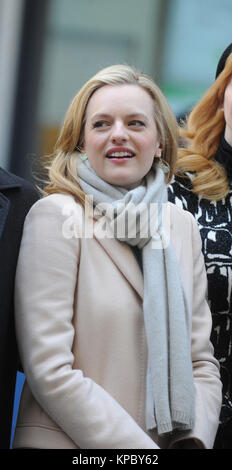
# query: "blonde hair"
{"type": "Point", "coordinates": [62, 170]}
{"type": "Point", "coordinates": [201, 134]}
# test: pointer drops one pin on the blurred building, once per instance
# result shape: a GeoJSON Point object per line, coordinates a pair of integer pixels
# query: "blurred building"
{"type": "Point", "coordinates": [49, 48]}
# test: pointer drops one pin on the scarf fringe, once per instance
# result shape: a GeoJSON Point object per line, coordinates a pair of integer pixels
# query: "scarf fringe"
{"type": "Point", "coordinates": [180, 422]}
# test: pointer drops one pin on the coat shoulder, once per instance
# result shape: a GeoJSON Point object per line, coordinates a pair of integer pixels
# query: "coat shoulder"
{"type": "Point", "coordinates": [179, 214]}
{"type": "Point", "coordinates": [55, 209]}
{"type": "Point", "coordinates": [17, 189]}
{"type": "Point", "coordinates": [183, 224]}
{"type": "Point", "coordinates": [10, 179]}
{"type": "Point", "coordinates": [55, 201]}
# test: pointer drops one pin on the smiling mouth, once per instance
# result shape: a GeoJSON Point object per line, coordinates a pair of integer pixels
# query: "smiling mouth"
{"type": "Point", "coordinates": [119, 155]}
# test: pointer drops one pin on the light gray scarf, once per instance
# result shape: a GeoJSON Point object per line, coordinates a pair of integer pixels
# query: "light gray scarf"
{"type": "Point", "coordinates": [170, 391]}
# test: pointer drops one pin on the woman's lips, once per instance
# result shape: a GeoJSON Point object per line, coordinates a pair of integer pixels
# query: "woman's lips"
{"type": "Point", "coordinates": [120, 155]}
{"type": "Point", "coordinates": [119, 160]}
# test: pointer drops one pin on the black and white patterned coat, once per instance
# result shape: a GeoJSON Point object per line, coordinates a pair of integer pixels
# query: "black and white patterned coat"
{"type": "Point", "coordinates": [215, 224]}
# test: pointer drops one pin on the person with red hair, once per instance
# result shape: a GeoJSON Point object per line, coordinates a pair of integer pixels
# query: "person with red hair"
{"type": "Point", "coordinates": [203, 186]}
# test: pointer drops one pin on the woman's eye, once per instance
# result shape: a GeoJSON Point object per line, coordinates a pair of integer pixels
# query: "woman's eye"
{"type": "Point", "coordinates": [100, 124]}
{"type": "Point", "coordinates": [136, 123]}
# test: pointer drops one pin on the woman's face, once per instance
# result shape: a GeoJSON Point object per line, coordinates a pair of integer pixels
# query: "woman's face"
{"type": "Point", "coordinates": [228, 112]}
{"type": "Point", "coordinates": [120, 136]}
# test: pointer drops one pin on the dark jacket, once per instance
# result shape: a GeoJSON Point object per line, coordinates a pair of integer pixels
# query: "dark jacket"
{"type": "Point", "coordinates": [16, 198]}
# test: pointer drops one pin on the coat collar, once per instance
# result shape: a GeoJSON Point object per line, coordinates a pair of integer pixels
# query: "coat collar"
{"type": "Point", "coordinates": [7, 181]}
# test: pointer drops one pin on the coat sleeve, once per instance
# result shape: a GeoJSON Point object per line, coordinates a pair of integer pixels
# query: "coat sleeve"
{"type": "Point", "coordinates": [45, 288]}
{"type": "Point", "coordinates": [208, 395]}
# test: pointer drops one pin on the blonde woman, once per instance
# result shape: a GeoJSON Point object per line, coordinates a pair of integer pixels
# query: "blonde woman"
{"type": "Point", "coordinates": [203, 186]}
{"type": "Point", "coordinates": [112, 328]}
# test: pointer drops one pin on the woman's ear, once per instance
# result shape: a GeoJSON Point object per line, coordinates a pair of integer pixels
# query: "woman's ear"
{"type": "Point", "coordinates": [158, 151]}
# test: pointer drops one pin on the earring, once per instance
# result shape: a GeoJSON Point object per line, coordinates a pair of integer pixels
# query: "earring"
{"type": "Point", "coordinates": [158, 153]}
{"type": "Point", "coordinates": [164, 166]}
{"type": "Point", "coordinates": [83, 157]}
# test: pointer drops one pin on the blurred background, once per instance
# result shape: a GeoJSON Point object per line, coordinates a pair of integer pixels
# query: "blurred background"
{"type": "Point", "coordinates": [50, 48]}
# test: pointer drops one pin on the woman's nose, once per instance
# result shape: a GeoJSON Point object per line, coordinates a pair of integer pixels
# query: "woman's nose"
{"type": "Point", "coordinates": [119, 132]}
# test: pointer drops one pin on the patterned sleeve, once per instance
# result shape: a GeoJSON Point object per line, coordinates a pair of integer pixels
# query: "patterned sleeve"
{"type": "Point", "coordinates": [178, 193]}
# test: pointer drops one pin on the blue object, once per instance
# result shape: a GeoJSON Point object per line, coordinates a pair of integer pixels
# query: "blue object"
{"type": "Point", "coordinates": [18, 390]}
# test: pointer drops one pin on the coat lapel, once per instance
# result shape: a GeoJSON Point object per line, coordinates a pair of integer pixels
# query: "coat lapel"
{"type": "Point", "coordinates": [176, 230]}
{"type": "Point", "coordinates": [123, 257]}
{"type": "Point", "coordinates": [7, 182]}
{"type": "Point", "coordinates": [4, 209]}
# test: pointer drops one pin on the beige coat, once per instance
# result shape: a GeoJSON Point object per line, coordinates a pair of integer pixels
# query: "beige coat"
{"type": "Point", "coordinates": [81, 335]}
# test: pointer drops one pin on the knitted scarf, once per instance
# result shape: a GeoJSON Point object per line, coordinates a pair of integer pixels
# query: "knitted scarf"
{"type": "Point", "coordinates": [169, 385]}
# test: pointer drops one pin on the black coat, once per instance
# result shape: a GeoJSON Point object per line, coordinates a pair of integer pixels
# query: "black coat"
{"type": "Point", "coordinates": [16, 198]}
